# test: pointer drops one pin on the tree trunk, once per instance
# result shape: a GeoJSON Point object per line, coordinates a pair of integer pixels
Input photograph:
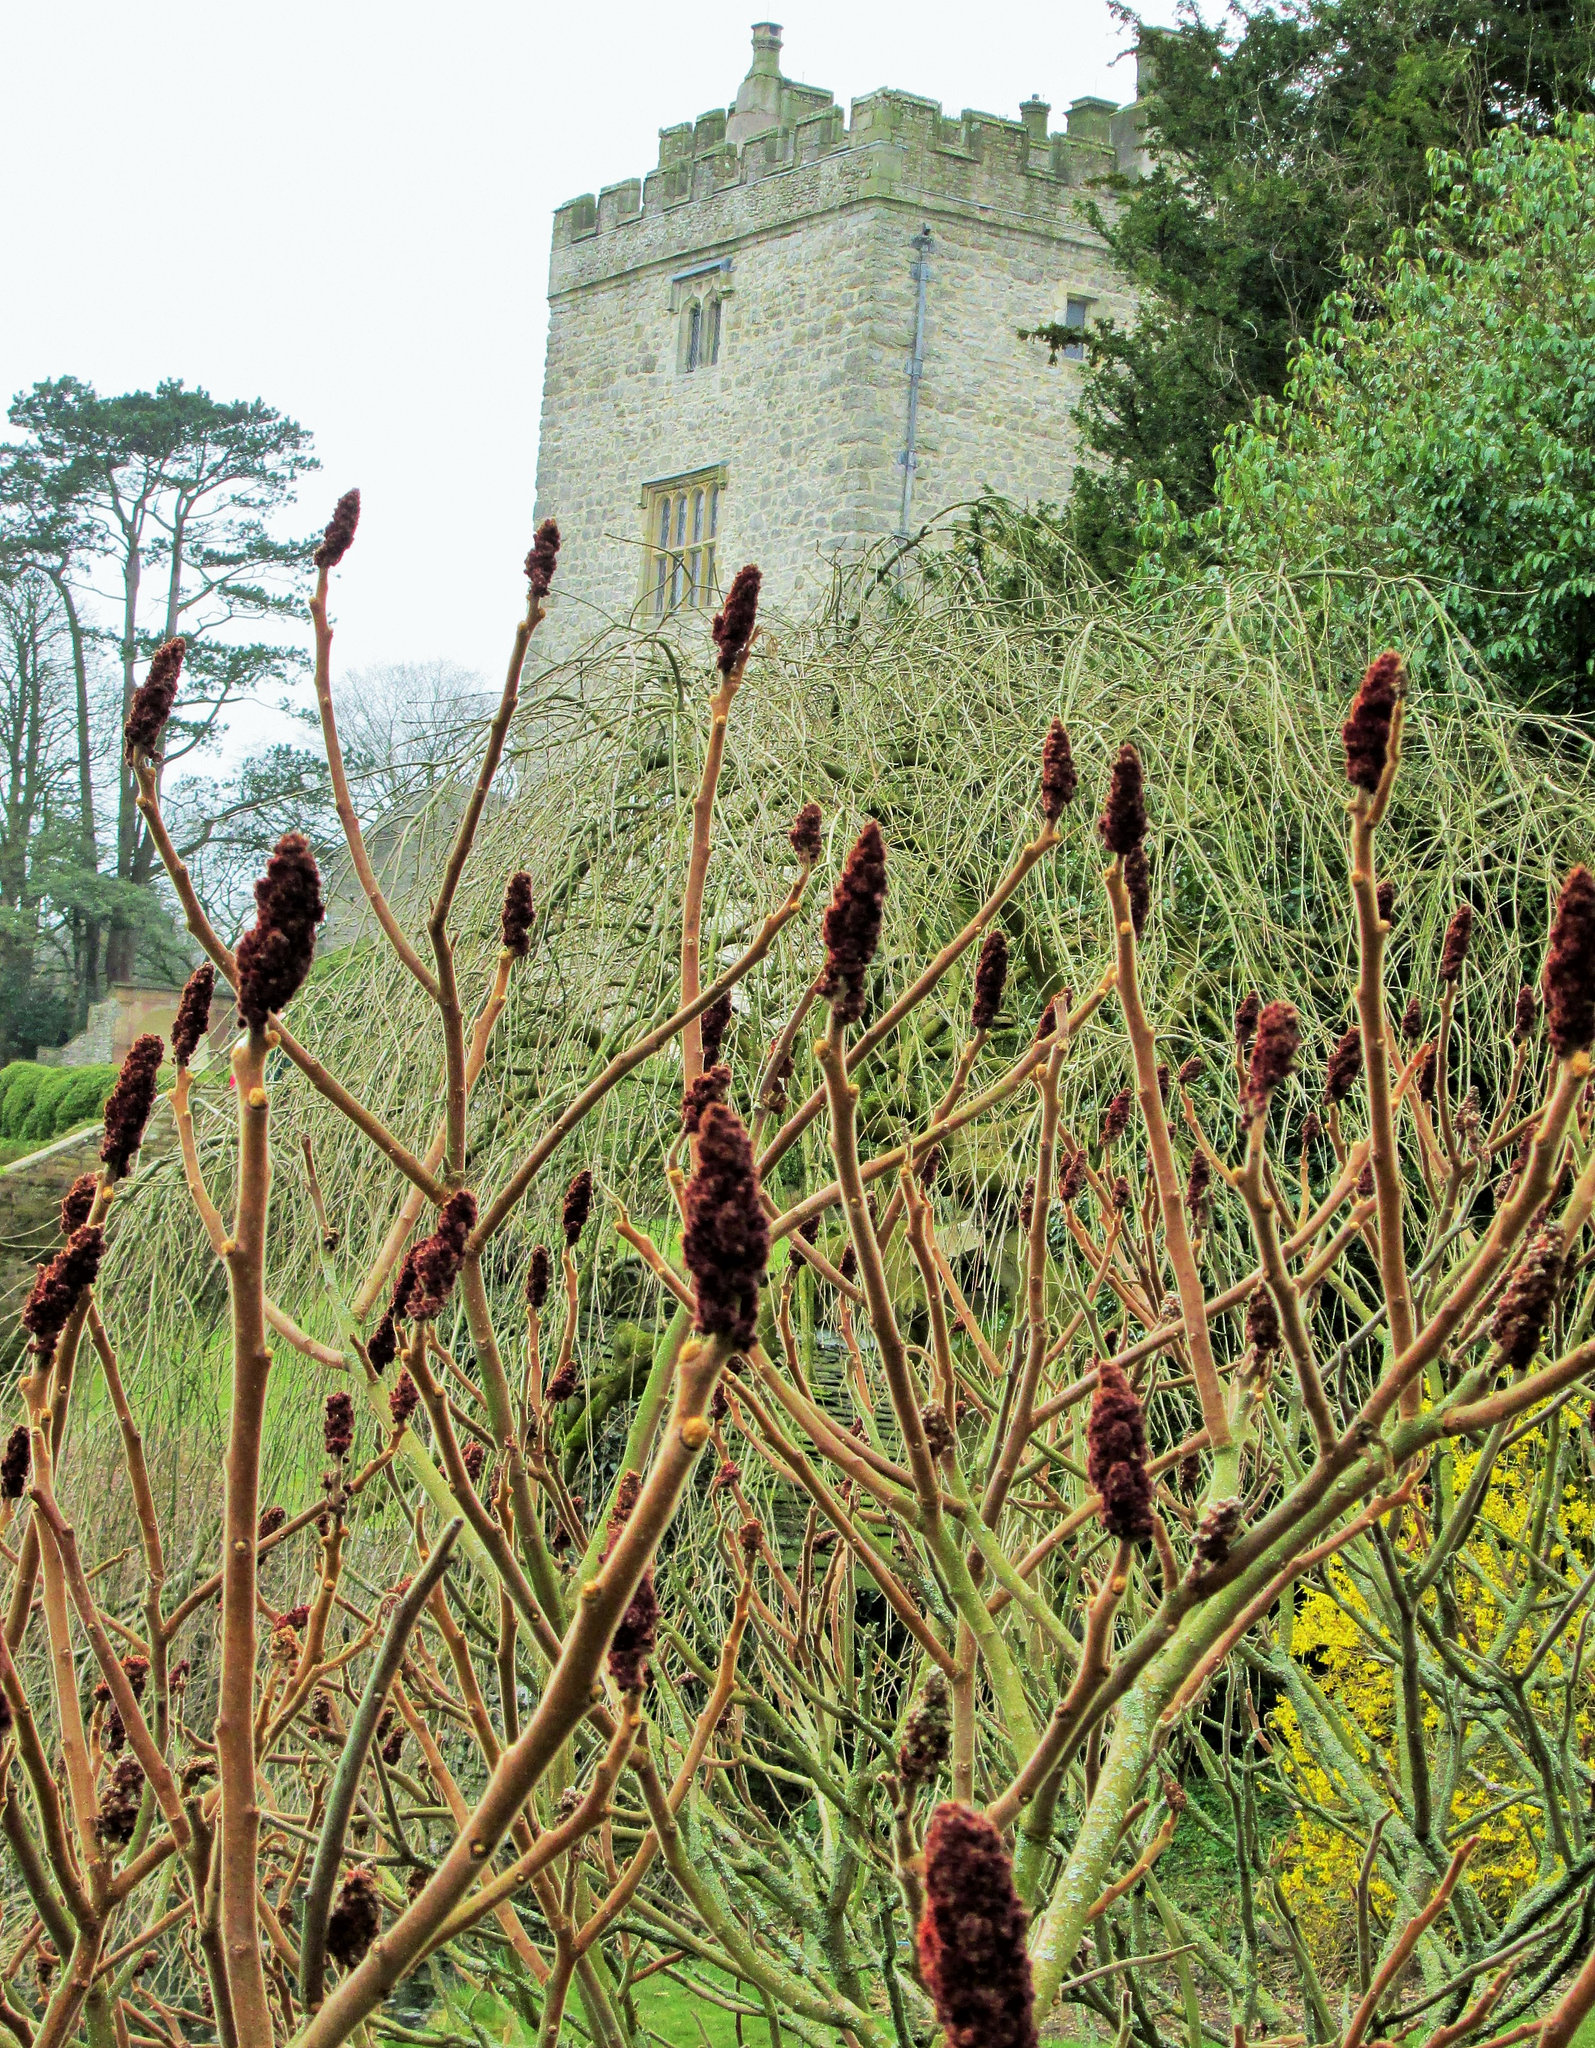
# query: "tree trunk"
{"type": "Point", "coordinates": [86, 952]}
{"type": "Point", "coordinates": [121, 941]}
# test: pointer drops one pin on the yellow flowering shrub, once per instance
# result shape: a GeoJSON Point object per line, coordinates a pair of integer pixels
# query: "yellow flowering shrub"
{"type": "Point", "coordinates": [1498, 1604]}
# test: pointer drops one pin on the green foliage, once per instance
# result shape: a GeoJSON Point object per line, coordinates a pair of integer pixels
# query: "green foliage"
{"type": "Point", "coordinates": [173, 495]}
{"type": "Point", "coordinates": [38, 1103]}
{"type": "Point", "coordinates": [1441, 423]}
{"type": "Point", "coordinates": [1286, 143]}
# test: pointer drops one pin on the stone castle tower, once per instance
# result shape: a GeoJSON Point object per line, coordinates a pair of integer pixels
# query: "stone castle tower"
{"type": "Point", "coordinates": [797, 336]}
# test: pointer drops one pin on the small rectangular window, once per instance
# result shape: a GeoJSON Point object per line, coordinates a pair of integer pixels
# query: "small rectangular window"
{"type": "Point", "coordinates": [1074, 315]}
{"type": "Point", "coordinates": [681, 521]}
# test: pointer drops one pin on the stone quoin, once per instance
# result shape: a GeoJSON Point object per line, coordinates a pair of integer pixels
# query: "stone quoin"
{"type": "Point", "coordinates": [798, 336]}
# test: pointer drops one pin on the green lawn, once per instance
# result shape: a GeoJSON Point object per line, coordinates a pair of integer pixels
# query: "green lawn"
{"type": "Point", "coordinates": [670, 2010]}
{"type": "Point", "coordinates": [674, 2016]}
{"type": "Point", "coordinates": [687, 2022]}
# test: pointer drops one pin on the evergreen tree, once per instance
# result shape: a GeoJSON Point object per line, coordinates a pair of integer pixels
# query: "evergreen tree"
{"type": "Point", "coordinates": [1284, 145]}
{"type": "Point", "coordinates": [172, 491]}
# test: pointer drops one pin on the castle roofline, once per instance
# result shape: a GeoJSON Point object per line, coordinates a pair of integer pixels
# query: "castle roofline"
{"type": "Point", "coordinates": [776, 123]}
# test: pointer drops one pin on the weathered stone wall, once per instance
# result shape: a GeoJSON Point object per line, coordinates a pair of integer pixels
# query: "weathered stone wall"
{"type": "Point", "coordinates": [789, 409]}
{"type": "Point", "coordinates": [811, 223]}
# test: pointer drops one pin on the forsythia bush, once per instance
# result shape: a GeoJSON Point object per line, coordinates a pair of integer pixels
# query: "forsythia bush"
{"type": "Point", "coordinates": [1498, 1799]}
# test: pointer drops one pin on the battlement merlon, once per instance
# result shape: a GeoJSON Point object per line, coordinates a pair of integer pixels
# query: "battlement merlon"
{"type": "Point", "coordinates": [775, 126]}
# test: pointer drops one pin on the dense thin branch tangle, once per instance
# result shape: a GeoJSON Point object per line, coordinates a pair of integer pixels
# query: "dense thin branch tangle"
{"type": "Point", "coordinates": [844, 1575]}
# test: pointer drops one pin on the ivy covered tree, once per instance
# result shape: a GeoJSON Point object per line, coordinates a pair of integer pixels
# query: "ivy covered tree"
{"type": "Point", "coordinates": [1285, 143]}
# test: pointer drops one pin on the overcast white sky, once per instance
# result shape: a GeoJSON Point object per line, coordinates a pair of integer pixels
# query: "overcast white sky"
{"type": "Point", "coordinates": [344, 208]}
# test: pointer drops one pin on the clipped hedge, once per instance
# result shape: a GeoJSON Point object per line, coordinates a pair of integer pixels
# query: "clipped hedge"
{"type": "Point", "coordinates": [38, 1103]}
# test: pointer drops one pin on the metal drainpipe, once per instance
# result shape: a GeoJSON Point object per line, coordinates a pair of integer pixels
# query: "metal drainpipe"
{"type": "Point", "coordinates": [916, 368]}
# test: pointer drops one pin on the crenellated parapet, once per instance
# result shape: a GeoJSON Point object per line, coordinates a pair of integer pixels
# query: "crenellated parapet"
{"type": "Point", "coordinates": [887, 143]}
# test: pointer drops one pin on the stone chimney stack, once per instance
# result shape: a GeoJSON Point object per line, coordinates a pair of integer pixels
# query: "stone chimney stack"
{"type": "Point", "coordinates": [758, 107]}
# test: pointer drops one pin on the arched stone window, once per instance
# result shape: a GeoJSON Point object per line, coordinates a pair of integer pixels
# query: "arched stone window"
{"type": "Point", "coordinates": [697, 305]}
